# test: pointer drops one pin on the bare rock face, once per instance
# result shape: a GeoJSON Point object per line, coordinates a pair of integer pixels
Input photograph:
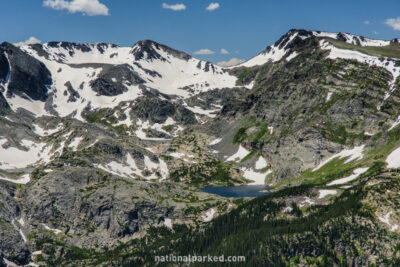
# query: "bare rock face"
{"type": "Point", "coordinates": [158, 111]}
{"type": "Point", "coordinates": [3, 104]}
{"type": "Point", "coordinates": [93, 204]}
{"type": "Point", "coordinates": [4, 67]}
{"type": "Point", "coordinates": [113, 81]}
{"type": "Point", "coordinates": [12, 245]}
{"type": "Point", "coordinates": [28, 76]}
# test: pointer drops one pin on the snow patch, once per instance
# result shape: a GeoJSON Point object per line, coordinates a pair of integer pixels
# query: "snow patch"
{"type": "Point", "coordinates": [37, 108]}
{"type": "Point", "coordinates": [395, 123]}
{"type": "Point", "coordinates": [21, 221]}
{"type": "Point", "coordinates": [374, 183]}
{"type": "Point", "coordinates": [23, 236]}
{"type": "Point", "coordinates": [209, 215]}
{"type": "Point", "coordinates": [46, 132]}
{"type": "Point", "coordinates": [250, 85]}
{"type": "Point", "coordinates": [273, 53]}
{"type": "Point", "coordinates": [353, 39]}
{"type": "Point", "coordinates": [75, 143]}
{"type": "Point", "coordinates": [292, 55]}
{"type": "Point", "coordinates": [182, 156]}
{"type": "Point", "coordinates": [239, 155]}
{"type": "Point", "coordinates": [168, 223]}
{"type": "Point", "coordinates": [386, 220]}
{"type": "Point", "coordinates": [328, 96]}
{"type": "Point", "coordinates": [14, 158]}
{"type": "Point", "coordinates": [261, 163]}
{"type": "Point", "coordinates": [323, 193]}
{"type": "Point", "coordinates": [128, 120]}
{"type": "Point", "coordinates": [206, 112]}
{"type": "Point", "coordinates": [306, 201]}
{"type": "Point", "coordinates": [287, 209]}
{"type": "Point", "coordinates": [216, 141]}
{"type": "Point", "coordinates": [257, 177]}
{"type": "Point", "coordinates": [356, 173]}
{"type": "Point", "coordinates": [154, 167]}
{"type": "Point", "coordinates": [351, 154]}
{"type": "Point", "coordinates": [56, 231]}
{"type": "Point", "coordinates": [23, 180]}
{"type": "Point", "coordinates": [127, 169]}
{"type": "Point", "coordinates": [393, 159]}
{"type": "Point", "coordinates": [158, 127]}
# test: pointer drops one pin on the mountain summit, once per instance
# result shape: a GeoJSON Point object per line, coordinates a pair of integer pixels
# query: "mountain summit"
{"type": "Point", "coordinates": [295, 39]}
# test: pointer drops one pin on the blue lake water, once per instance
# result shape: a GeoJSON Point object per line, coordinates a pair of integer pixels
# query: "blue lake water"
{"type": "Point", "coordinates": [237, 191]}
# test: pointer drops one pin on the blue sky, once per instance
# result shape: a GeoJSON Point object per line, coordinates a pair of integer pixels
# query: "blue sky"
{"type": "Point", "coordinates": [246, 27]}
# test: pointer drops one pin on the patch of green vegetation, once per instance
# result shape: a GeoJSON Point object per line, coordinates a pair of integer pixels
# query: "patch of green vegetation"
{"type": "Point", "coordinates": [37, 173]}
{"type": "Point", "coordinates": [264, 170]}
{"type": "Point", "coordinates": [146, 173]}
{"type": "Point", "coordinates": [94, 118]}
{"type": "Point", "coordinates": [248, 156]}
{"type": "Point", "coordinates": [74, 158]}
{"type": "Point", "coordinates": [120, 128]}
{"type": "Point", "coordinates": [240, 136]}
{"type": "Point", "coordinates": [334, 169]}
{"type": "Point", "coordinates": [198, 209]}
{"type": "Point", "coordinates": [212, 172]}
{"type": "Point", "coordinates": [49, 243]}
{"type": "Point", "coordinates": [339, 134]}
{"type": "Point", "coordinates": [112, 119]}
{"type": "Point", "coordinates": [259, 131]}
{"type": "Point", "coordinates": [168, 128]}
{"type": "Point", "coordinates": [102, 118]}
{"type": "Point", "coordinates": [321, 109]}
{"type": "Point", "coordinates": [166, 157]}
{"type": "Point", "coordinates": [380, 152]}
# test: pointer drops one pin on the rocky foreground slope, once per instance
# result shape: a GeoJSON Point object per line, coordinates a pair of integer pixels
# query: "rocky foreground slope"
{"type": "Point", "coordinates": [103, 150]}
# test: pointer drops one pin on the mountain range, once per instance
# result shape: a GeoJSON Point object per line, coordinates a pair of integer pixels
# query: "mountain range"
{"type": "Point", "coordinates": [104, 151]}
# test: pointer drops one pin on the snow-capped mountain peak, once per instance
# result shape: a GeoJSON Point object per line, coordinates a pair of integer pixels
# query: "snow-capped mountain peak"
{"type": "Point", "coordinates": [90, 76]}
{"type": "Point", "coordinates": [149, 50]}
{"type": "Point", "coordinates": [283, 48]}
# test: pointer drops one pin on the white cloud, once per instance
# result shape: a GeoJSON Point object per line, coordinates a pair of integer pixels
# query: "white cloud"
{"type": "Point", "coordinates": [176, 7]}
{"type": "Point", "coordinates": [86, 7]}
{"type": "Point", "coordinates": [232, 62]}
{"type": "Point", "coordinates": [375, 32]}
{"type": "Point", "coordinates": [224, 51]}
{"type": "Point", "coordinates": [212, 7]}
{"type": "Point", "coordinates": [394, 23]}
{"type": "Point", "coordinates": [204, 51]}
{"type": "Point", "coordinates": [367, 22]}
{"type": "Point", "coordinates": [31, 40]}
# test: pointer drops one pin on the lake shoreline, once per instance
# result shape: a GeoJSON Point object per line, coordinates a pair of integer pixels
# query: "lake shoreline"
{"type": "Point", "coordinates": [241, 191]}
